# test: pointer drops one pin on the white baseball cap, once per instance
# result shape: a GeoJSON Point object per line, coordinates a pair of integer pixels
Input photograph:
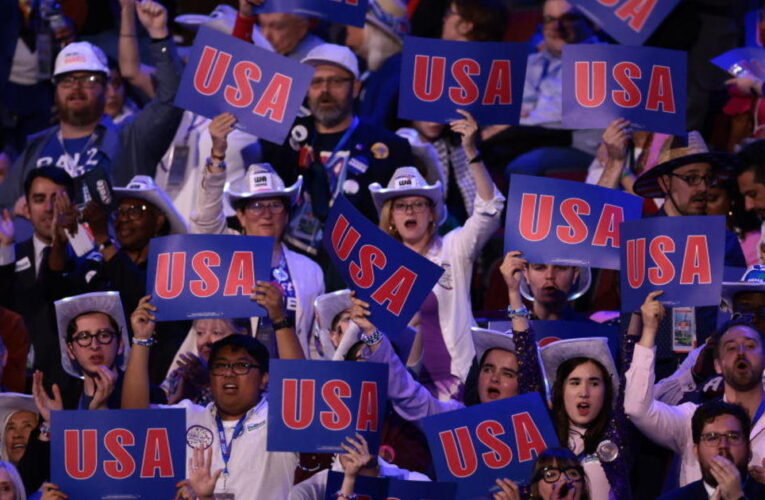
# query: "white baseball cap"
{"type": "Point", "coordinates": [338, 55]}
{"type": "Point", "coordinates": [81, 56]}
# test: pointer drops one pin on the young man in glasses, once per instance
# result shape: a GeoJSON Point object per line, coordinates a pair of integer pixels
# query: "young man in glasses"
{"type": "Point", "coordinates": [719, 435]}
{"type": "Point", "coordinates": [85, 137]}
{"type": "Point", "coordinates": [234, 425]}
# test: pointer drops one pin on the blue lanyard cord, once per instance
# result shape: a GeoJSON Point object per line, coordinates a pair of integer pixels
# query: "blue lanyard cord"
{"type": "Point", "coordinates": [225, 447]}
{"type": "Point", "coordinates": [340, 145]}
{"type": "Point", "coordinates": [759, 412]}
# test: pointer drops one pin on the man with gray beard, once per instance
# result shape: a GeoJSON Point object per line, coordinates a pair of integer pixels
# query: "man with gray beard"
{"type": "Point", "coordinates": [334, 151]}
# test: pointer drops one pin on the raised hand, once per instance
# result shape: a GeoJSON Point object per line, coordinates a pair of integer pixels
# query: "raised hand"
{"type": "Point", "coordinates": [728, 478]}
{"type": "Point", "coordinates": [271, 297]}
{"type": "Point", "coordinates": [616, 137]}
{"type": "Point", "coordinates": [51, 492]}
{"type": "Point", "coordinates": [508, 490]}
{"type": "Point", "coordinates": [652, 311]}
{"type": "Point", "coordinates": [200, 479]}
{"type": "Point", "coordinates": [359, 314]}
{"type": "Point", "coordinates": [750, 86]}
{"type": "Point", "coordinates": [219, 128]}
{"type": "Point", "coordinates": [64, 217]}
{"type": "Point", "coordinates": [468, 130]}
{"type": "Point", "coordinates": [45, 404]}
{"type": "Point", "coordinates": [193, 370]}
{"type": "Point", "coordinates": [7, 231]}
{"type": "Point", "coordinates": [512, 270]}
{"type": "Point", "coordinates": [357, 455]}
{"type": "Point", "coordinates": [153, 16]}
{"type": "Point", "coordinates": [142, 319]}
{"type": "Point", "coordinates": [105, 381]}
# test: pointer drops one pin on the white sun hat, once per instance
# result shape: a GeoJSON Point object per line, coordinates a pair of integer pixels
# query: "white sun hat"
{"type": "Point", "coordinates": [485, 339]}
{"type": "Point", "coordinates": [142, 187]}
{"type": "Point", "coordinates": [69, 308]}
{"type": "Point", "coordinates": [81, 56]}
{"type": "Point", "coordinates": [407, 181]}
{"type": "Point", "coordinates": [261, 181]}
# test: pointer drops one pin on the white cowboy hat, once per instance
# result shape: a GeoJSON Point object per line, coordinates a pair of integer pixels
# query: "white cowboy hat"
{"type": "Point", "coordinates": [579, 288]}
{"type": "Point", "coordinates": [326, 307]}
{"type": "Point", "coordinates": [753, 280]}
{"type": "Point", "coordinates": [69, 308]}
{"type": "Point", "coordinates": [555, 353]}
{"type": "Point", "coordinates": [142, 187]}
{"type": "Point", "coordinates": [11, 403]}
{"type": "Point", "coordinates": [261, 181]}
{"type": "Point", "coordinates": [485, 339]}
{"type": "Point", "coordinates": [407, 181]}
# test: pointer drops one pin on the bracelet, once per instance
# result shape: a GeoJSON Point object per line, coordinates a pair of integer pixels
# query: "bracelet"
{"type": "Point", "coordinates": [523, 312]}
{"type": "Point", "coordinates": [372, 338]}
{"type": "Point", "coordinates": [352, 496]}
{"type": "Point", "coordinates": [221, 164]}
{"type": "Point", "coordinates": [145, 342]}
{"type": "Point", "coordinates": [284, 323]}
{"type": "Point", "coordinates": [476, 159]}
{"type": "Point", "coordinates": [44, 429]}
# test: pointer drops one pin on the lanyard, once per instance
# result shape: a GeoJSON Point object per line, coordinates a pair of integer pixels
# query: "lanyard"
{"type": "Point", "coordinates": [759, 412]}
{"type": "Point", "coordinates": [225, 447]}
{"type": "Point", "coordinates": [71, 163]}
{"type": "Point", "coordinates": [336, 182]}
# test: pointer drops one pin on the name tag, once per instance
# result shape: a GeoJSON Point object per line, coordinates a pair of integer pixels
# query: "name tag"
{"type": "Point", "coordinates": [358, 165]}
{"type": "Point", "coordinates": [23, 264]}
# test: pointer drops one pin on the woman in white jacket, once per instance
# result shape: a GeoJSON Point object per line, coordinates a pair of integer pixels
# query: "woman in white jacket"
{"type": "Point", "coordinates": [411, 210]}
{"type": "Point", "coordinates": [262, 204]}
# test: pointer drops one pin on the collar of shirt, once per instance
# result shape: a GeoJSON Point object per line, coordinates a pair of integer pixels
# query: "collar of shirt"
{"type": "Point", "coordinates": [260, 407]}
{"type": "Point", "coordinates": [39, 247]}
{"type": "Point", "coordinates": [709, 488]}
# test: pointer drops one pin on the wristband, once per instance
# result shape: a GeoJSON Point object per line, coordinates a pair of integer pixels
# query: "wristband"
{"type": "Point", "coordinates": [221, 164]}
{"type": "Point", "coordinates": [285, 323]}
{"type": "Point", "coordinates": [44, 429]}
{"type": "Point", "coordinates": [523, 312]}
{"type": "Point", "coordinates": [372, 338]}
{"type": "Point", "coordinates": [352, 496]}
{"type": "Point", "coordinates": [145, 342]}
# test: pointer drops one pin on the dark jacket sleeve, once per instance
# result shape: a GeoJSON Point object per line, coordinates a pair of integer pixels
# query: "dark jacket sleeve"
{"type": "Point", "coordinates": [34, 466]}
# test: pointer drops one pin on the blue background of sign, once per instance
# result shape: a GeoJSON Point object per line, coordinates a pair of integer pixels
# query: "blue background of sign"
{"type": "Point", "coordinates": [338, 12]}
{"type": "Point", "coordinates": [396, 253]}
{"type": "Point", "coordinates": [270, 63]}
{"type": "Point", "coordinates": [551, 250]}
{"type": "Point", "coordinates": [315, 437]}
{"type": "Point", "coordinates": [676, 295]}
{"type": "Point", "coordinates": [482, 483]}
{"type": "Point", "coordinates": [443, 110]}
{"type": "Point", "coordinates": [579, 117]}
{"type": "Point", "coordinates": [137, 421]}
{"type": "Point", "coordinates": [376, 488]}
{"type": "Point", "coordinates": [187, 306]}
{"type": "Point", "coordinates": [750, 62]}
{"type": "Point", "coordinates": [621, 30]}
{"type": "Point", "coordinates": [383, 488]}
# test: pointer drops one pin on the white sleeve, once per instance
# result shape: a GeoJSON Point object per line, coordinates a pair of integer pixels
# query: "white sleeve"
{"type": "Point", "coordinates": [207, 217]}
{"type": "Point", "coordinates": [7, 254]}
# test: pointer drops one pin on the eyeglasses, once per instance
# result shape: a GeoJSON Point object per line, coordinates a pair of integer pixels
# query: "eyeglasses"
{"type": "Point", "coordinates": [238, 367]}
{"type": "Point", "coordinates": [713, 438]}
{"type": "Point", "coordinates": [104, 336]}
{"type": "Point", "coordinates": [416, 206]}
{"type": "Point", "coordinates": [333, 81]}
{"type": "Point", "coordinates": [568, 18]}
{"type": "Point", "coordinates": [552, 474]}
{"type": "Point", "coordinates": [695, 180]}
{"type": "Point", "coordinates": [258, 207]}
{"type": "Point", "coordinates": [87, 81]}
{"type": "Point", "coordinates": [132, 212]}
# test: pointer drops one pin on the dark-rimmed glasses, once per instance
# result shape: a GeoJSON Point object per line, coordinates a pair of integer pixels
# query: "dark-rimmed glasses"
{"type": "Point", "coordinates": [132, 212]}
{"type": "Point", "coordinates": [695, 179]}
{"type": "Point", "coordinates": [333, 81]}
{"type": "Point", "coordinates": [416, 206]}
{"type": "Point", "coordinates": [258, 207]}
{"type": "Point", "coordinates": [552, 474]}
{"type": "Point", "coordinates": [104, 336]}
{"type": "Point", "coordinates": [87, 81]}
{"type": "Point", "coordinates": [714, 438]}
{"type": "Point", "coordinates": [238, 367]}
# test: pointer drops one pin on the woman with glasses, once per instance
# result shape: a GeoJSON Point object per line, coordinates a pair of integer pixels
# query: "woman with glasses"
{"type": "Point", "coordinates": [557, 475]}
{"type": "Point", "coordinates": [262, 204]}
{"type": "Point", "coordinates": [411, 211]}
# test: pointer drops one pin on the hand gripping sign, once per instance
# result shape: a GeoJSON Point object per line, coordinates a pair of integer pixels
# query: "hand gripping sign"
{"type": "Point", "coordinates": [569, 223]}
{"type": "Point", "coordinates": [118, 453]}
{"type": "Point", "coordinates": [262, 89]}
{"type": "Point", "coordinates": [484, 78]}
{"type": "Point", "coordinates": [194, 276]}
{"type": "Point", "coordinates": [315, 405]}
{"type": "Point", "coordinates": [387, 488]}
{"type": "Point", "coordinates": [630, 22]}
{"type": "Point", "coordinates": [683, 256]}
{"type": "Point", "coordinates": [383, 272]}
{"type": "Point", "coordinates": [478, 444]}
{"type": "Point", "coordinates": [646, 86]}
{"type": "Point", "coordinates": [349, 12]}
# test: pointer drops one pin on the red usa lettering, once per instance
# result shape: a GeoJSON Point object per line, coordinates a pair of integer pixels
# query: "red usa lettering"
{"type": "Point", "coordinates": [170, 275]}
{"type": "Point", "coordinates": [535, 220]}
{"type": "Point", "coordinates": [81, 454]}
{"type": "Point", "coordinates": [391, 294]}
{"type": "Point", "coordinates": [299, 402]}
{"type": "Point", "coordinates": [459, 447]}
{"type": "Point", "coordinates": [695, 267]}
{"type": "Point", "coordinates": [212, 69]}
{"type": "Point", "coordinates": [429, 81]}
{"type": "Point", "coordinates": [591, 81]}
{"type": "Point", "coordinates": [633, 12]}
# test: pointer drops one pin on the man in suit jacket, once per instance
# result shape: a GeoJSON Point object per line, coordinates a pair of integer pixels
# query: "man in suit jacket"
{"type": "Point", "coordinates": [22, 265]}
{"type": "Point", "coordinates": [720, 433]}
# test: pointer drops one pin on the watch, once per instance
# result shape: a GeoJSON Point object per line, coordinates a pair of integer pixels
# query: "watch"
{"type": "Point", "coordinates": [285, 323]}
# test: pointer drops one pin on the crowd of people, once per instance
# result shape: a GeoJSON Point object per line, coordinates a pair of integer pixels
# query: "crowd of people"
{"type": "Point", "coordinates": [86, 99]}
